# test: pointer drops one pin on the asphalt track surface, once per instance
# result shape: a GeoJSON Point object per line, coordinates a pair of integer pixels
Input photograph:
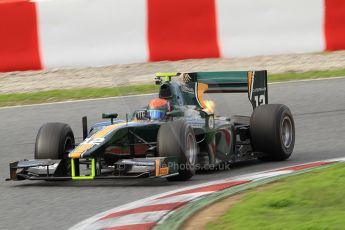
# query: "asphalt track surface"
{"type": "Point", "coordinates": [318, 108]}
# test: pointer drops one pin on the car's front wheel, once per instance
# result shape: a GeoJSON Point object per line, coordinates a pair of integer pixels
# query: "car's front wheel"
{"type": "Point", "coordinates": [177, 139]}
{"type": "Point", "coordinates": [53, 141]}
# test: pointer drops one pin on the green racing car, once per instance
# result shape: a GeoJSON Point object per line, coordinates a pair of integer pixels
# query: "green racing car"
{"type": "Point", "coordinates": [175, 135]}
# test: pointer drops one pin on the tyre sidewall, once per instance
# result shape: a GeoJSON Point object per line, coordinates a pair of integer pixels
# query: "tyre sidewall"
{"type": "Point", "coordinates": [284, 112]}
{"type": "Point", "coordinates": [266, 131]}
{"type": "Point", "coordinates": [172, 142]}
{"type": "Point", "coordinates": [51, 140]}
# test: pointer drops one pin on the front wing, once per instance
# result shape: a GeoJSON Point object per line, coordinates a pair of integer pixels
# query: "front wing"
{"type": "Point", "coordinates": [90, 169]}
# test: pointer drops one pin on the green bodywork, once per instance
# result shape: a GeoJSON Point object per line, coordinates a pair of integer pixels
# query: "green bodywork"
{"type": "Point", "coordinates": [183, 97]}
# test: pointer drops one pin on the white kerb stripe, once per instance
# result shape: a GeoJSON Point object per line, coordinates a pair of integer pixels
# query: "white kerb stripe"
{"type": "Point", "coordinates": [178, 198]}
{"type": "Point", "coordinates": [138, 218]}
{"type": "Point", "coordinates": [92, 32]}
{"type": "Point", "coordinates": [260, 27]}
{"type": "Point", "coordinates": [265, 175]}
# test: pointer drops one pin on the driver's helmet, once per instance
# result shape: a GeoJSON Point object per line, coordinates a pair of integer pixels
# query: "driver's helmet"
{"type": "Point", "coordinates": [158, 108]}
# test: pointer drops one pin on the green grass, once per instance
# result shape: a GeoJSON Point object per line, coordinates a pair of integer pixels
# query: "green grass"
{"type": "Point", "coordinates": [86, 93]}
{"type": "Point", "coordinates": [305, 75]}
{"type": "Point", "coordinates": [309, 201]}
{"type": "Point", "coordinates": [73, 94]}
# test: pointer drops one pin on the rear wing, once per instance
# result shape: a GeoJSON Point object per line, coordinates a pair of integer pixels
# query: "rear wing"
{"type": "Point", "coordinates": [252, 82]}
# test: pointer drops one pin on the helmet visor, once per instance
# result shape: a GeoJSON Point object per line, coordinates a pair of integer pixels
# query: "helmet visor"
{"type": "Point", "coordinates": [156, 114]}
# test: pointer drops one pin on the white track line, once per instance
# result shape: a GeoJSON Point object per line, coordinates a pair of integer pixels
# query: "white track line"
{"type": "Point", "coordinates": [149, 94]}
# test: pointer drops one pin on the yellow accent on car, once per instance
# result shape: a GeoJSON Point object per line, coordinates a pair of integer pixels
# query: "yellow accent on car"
{"type": "Point", "coordinates": [82, 148]}
{"type": "Point", "coordinates": [202, 87]}
{"type": "Point", "coordinates": [250, 78]}
{"type": "Point", "coordinates": [90, 177]}
{"type": "Point", "coordinates": [163, 171]}
{"type": "Point", "coordinates": [102, 133]}
{"type": "Point", "coordinates": [157, 167]}
{"type": "Point", "coordinates": [167, 75]}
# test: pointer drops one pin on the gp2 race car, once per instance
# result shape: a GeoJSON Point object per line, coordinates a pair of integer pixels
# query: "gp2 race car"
{"type": "Point", "coordinates": [172, 140]}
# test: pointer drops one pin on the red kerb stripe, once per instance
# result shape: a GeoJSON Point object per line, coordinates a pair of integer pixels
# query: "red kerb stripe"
{"type": "Point", "coordinates": [145, 226]}
{"type": "Point", "coordinates": [209, 188]}
{"type": "Point", "coordinates": [148, 208]}
{"type": "Point", "coordinates": [311, 165]}
{"type": "Point", "coordinates": [180, 29]}
{"type": "Point", "coordinates": [19, 39]}
{"type": "Point", "coordinates": [335, 24]}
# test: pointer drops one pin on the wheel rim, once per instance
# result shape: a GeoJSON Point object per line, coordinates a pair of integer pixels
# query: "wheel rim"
{"type": "Point", "coordinates": [191, 151]}
{"type": "Point", "coordinates": [68, 146]}
{"type": "Point", "coordinates": [286, 132]}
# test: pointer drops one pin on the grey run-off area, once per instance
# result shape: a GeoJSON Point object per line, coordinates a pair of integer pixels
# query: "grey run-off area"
{"type": "Point", "coordinates": [318, 108]}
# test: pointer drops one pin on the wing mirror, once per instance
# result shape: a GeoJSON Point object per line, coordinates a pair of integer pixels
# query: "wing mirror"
{"type": "Point", "coordinates": [110, 116]}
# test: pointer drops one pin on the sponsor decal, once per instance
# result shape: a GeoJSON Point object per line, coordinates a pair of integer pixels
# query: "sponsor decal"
{"type": "Point", "coordinates": [211, 122]}
{"type": "Point", "coordinates": [258, 90]}
{"type": "Point", "coordinates": [187, 89]}
{"type": "Point", "coordinates": [186, 77]}
{"type": "Point", "coordinates": [94, 141]}
{"type": "Point", "coordinates": [50, 167]}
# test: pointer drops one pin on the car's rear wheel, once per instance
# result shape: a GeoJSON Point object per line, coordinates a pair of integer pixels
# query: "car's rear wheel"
{"type": "Point", "coordinates": [177, 139]}
{"type": "Point", "coordinates": [272, 131]}
{"type": "Point", "coordinates": [53, 141]}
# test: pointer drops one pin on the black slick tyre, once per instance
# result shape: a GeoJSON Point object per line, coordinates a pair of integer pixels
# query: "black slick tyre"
{"type": "Point", "coordinates": [272, 131]}
{"type": "Point", "coordinates": [53, 141]}
{"type": "Point", "coordinates": [177, 139]}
